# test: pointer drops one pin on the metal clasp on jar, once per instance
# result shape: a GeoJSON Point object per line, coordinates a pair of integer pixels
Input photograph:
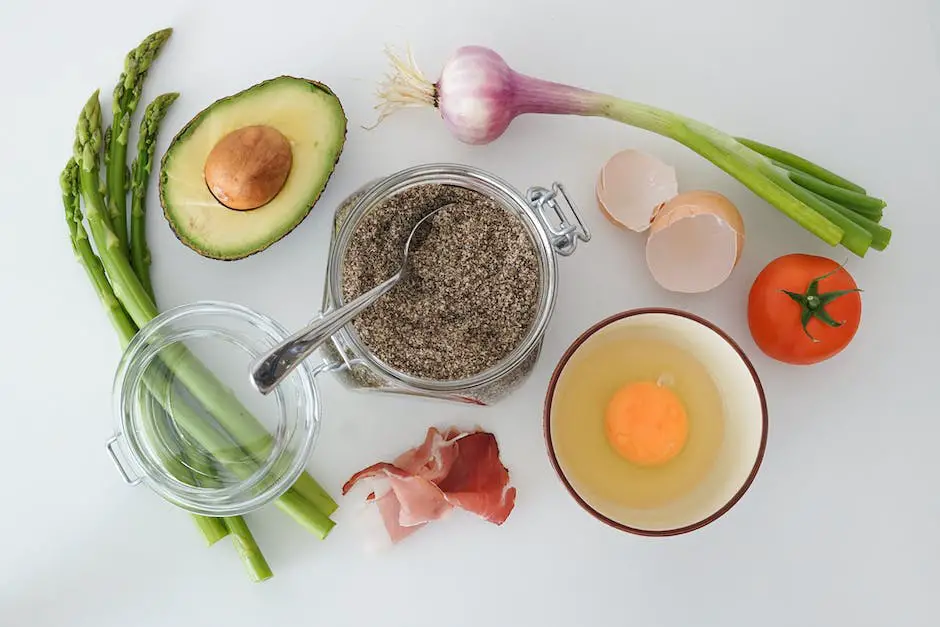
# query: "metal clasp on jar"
{"type": "Point", "coordinates": [564, 233]}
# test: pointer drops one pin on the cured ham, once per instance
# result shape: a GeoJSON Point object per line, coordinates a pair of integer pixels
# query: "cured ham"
{"type": "Point", "coordinates": [453, 469]}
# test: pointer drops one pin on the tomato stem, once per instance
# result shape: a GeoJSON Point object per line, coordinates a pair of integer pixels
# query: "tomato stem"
{"type": "Point", "coordinates": [813, 304]}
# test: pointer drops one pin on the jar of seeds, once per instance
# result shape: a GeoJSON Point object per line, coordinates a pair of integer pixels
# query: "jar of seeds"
{"type": "Point", "coordinates": [467, 322]}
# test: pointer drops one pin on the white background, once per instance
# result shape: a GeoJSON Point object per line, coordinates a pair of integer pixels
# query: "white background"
{"type": "Point", "coordinates": [841, 526]}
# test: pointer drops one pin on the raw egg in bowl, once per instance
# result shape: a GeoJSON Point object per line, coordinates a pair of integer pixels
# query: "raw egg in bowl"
{"type": "Point", "coordinates": [655, 421]}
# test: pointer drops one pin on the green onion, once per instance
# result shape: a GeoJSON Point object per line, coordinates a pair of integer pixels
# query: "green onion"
{"type": "Point", "coordinates": [801, 164]}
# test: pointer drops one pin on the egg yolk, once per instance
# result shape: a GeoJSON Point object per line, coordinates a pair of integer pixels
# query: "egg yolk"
{"type": "Point", "coordinates": [646, 423]}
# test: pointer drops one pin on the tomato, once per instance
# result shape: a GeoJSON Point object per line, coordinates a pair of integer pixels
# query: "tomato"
{"type": "Point", "coordinates": [803, 309]}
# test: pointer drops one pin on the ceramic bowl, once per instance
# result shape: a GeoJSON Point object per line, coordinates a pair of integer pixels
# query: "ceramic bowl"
{"type": "Point", "coordinates": [745, 426]}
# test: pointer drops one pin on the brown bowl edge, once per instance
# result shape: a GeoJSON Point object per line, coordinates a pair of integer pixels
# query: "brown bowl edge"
{"type": "Point", "coordinates": [550, 393]}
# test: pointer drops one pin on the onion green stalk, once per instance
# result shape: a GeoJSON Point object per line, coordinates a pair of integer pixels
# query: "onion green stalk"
{"type": "Point", "coordinates": [478, 96]}
{"type": "Point", "coordinates": [865, 207]}
{"type": "Point", "coordinates": [881, 236]}
{"type": "Point", "coordinates": [800, 164]}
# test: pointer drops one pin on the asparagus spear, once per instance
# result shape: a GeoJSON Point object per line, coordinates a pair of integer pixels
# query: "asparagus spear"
{"type": "Point", "coordinates": [228, 452]}
{"type": "Point", "coordinates": [71, 199]}
{"type": "Point", "coordinates": [212, 528]}
{"type": "Point", "coordinates": [248, 550]}
{"type": "Point", "coordinates": [140, 175]}
{"type": "Point", "coordinates": [204, 386]}
{"type": "Point", "coordinates": [126, 97]}
{"type": "Point", "coordinates": [204, 474]}
{"type": "Point", "coordinates": [159, 429]}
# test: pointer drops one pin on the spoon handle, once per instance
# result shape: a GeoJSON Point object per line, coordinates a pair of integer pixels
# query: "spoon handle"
{"type": "Point", "coordinates": [272, 367]}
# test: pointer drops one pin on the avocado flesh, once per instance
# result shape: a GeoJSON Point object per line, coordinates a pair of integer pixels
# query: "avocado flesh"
{"type": "Point", "coordinates": [307, 113]}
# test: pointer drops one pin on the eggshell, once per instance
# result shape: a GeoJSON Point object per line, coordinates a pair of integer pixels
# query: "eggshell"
{"type": "Point", "coordinates": [632, 186]}
{"type": "Point", "coordinates": [695, 242]}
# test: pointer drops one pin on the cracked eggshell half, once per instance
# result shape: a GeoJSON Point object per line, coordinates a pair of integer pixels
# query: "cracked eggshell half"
{"type": "Point", "coordinates": [632, 186]}
{"type": "Point", "coordinates": [695, 242]}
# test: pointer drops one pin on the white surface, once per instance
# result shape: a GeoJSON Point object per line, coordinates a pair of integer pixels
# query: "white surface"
{"type": "Point", "coordinates": [841, 525]}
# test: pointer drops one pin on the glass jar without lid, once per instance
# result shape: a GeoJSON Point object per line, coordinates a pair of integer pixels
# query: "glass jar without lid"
{"type": "Point", "coordinates": [189, 424]}
{"type": "Point", "coordinates": [553, 228]}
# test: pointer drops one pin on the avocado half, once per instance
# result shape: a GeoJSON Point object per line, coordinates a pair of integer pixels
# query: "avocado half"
{"type": "Point", "coordinates": [308, 115]}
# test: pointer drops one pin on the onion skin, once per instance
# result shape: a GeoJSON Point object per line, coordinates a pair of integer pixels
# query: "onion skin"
{"type": "Point", "coordinates": [478, 95]}
{"type": "Point", "coordinates": [473, 94]}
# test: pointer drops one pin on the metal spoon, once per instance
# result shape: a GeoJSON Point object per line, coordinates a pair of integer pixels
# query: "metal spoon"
{"type": "Point", "coordinates": [272, 367]}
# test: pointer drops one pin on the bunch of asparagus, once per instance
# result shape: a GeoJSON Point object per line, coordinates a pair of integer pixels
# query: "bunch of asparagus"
{"type": "Point", "coordinates": [118, 268]}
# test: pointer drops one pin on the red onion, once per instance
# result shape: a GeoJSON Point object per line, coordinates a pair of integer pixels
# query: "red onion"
{"type": "Point", "coordinates": [479, 95]}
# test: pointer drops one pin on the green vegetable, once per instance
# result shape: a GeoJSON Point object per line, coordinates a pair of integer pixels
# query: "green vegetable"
{"type": "Point", "coordinates": [140, 175]}
{"type": "Point", "coordinates": [711, 145]}
{"type": "Point", "coordinates": [832, 197]}
{"type": "Point", "coordinates": [203, 385]}
{"type": "Point", "coordinates": [881, 236]}
{"type": "Point", "coordinates": [811, 183]}
{"type": "Point", "coordinates": [233, 456]}
{"type": "Point", "coordinates": [800, 164]}
{"type": "Point", "coordinates": [854, 237]}
{"type": "Point", "coordinates": [180, 465]}
{"type": "Point", "coordinates": [846, 197]}
{"type": "Point", "coordinates": [126, 97]}
{"type": "Point", "coordinates": [212, 529]}
{"type": "Point", "coordinates": [248, 549]}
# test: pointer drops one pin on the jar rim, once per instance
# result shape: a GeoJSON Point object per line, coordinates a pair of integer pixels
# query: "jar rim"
{"type": "Point", "coordinates": [297, 414]}
{"type": "Point", "coordinates": [498, 190]}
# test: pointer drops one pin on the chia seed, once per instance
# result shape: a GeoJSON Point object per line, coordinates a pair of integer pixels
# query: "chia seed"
{"type": "Point", "coordinates": [472, 293]}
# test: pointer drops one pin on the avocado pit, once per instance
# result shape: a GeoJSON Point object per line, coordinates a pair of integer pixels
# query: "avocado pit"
{"type": "Point", "coordinates": [248, 167]}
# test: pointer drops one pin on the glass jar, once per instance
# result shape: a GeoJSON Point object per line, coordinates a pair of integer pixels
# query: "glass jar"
{"type": "Point", "coordinates": [554, 227]}
{"type": "Point", "coordinates": [192, 428]}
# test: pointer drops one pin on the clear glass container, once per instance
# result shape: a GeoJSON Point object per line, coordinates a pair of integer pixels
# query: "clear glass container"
{"type": "Point", "coordinates": [192, 428]}
{"type": "Point", "coordinates": [555, 229]}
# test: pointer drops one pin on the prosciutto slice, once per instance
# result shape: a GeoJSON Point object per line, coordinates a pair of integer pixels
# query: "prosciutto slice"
{"type": "Point", "coordinates": [452, 469]}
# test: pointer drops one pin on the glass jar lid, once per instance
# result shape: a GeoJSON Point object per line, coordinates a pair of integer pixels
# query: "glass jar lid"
{"type": "Point", "coordinates": [190, 424]}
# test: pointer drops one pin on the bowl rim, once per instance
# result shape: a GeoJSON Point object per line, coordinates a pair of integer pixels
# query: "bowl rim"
{"type": "Point", "coordinates": [547, 430]}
